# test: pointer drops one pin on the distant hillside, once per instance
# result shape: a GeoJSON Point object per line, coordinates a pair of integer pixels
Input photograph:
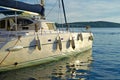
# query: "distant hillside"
{"type": "Point", "coordinates": [97, 24]}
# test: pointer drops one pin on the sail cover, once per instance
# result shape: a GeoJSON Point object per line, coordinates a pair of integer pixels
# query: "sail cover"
{"type": "Point", "coordinates": [37, 8]}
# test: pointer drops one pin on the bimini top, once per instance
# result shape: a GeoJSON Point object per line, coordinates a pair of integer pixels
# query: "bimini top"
{"type": "Point", "coordinates": [37, 8]}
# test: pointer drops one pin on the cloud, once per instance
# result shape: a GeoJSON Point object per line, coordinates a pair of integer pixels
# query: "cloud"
{"type": "Point", "coordinates": [89, 10]}
{"type": "Point", "coordinates": [83, 10]}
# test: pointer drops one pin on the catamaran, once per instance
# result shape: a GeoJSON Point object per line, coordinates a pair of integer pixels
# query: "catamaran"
{"type": "Point", "coordinates": [27, 41]}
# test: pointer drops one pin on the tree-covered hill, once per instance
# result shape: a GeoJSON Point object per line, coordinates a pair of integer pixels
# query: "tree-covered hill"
{"type": "Point", "coordinates": [97, 24]}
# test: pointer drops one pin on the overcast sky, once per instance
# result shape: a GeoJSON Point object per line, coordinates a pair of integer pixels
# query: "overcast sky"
{"type": "Point", "coordinates": [86, 10]}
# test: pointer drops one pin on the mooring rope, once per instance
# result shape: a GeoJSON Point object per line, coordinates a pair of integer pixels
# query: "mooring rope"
{"type": "Point", "coordinates": [9, 51]}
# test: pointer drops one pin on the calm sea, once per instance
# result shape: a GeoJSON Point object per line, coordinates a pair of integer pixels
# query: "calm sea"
{"type": "Point", "coordinates": [102, 63]}
{"type": "Point", "coordinates": [106, 53]}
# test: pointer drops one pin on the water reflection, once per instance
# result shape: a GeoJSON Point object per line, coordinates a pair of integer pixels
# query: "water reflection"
{"type": "Point", "coordinates": [75, 67]}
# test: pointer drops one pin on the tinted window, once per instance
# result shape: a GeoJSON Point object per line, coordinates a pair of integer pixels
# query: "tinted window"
{"type": "Point", "coordinates": [2, 24]}
{"type": "Point", "coordinates": [24, 22]}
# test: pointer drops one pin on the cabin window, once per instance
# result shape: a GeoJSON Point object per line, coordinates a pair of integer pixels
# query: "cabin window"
{"type": "Point", "coordinates": [50, 26]}
{"type": "Point", "coordinates": [2, 24]}
{"type": "Point", "coordinates": [24, 22]}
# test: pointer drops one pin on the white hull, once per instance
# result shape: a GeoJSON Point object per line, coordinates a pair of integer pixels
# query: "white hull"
{"type": "Point", "coordinates": [25, 53]}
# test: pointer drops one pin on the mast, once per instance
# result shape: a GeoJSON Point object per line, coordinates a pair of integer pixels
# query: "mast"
{"type": "Point", "coordinates": [65, 16]}
{"type": "Point", "coordinates": [43, 4]}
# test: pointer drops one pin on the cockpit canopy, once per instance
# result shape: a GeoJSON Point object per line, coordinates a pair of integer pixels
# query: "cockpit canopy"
{"type": "Point", "coordinates": [10, 23]}
{"type": "Point", "coordinates": [23, 23]}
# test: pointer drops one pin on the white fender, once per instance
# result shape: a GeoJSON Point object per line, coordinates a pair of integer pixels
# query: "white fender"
{"type": "Point", "coordinates": [81, 36]}
{"type": "Point", "coordinates": [90, 38]}
{"type": "Point", "coordinates": [59, 43]}
{"type": "Point", "coordinates": [38, 43]}
{"type": "Point", "coordinates": [15, 48]}
{"type": "Point", "coordinates": [73, 43]}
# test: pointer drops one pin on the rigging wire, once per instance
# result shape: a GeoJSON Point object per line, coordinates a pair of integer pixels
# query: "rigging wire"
{"type": "Point", "coordinates": [37, 1]}
{"type": "Point", "coordinates": [59, 11]}
{"type": "Point", "coordinates": [59, 17]}
{"type": "Point", "coordinates": [51, 9]}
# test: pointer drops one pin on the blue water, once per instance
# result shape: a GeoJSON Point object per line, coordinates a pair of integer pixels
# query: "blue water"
{"type": "Point", "coordinates": [106, 53]}
{"type": "Point", "coordinates": [104, 66]}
